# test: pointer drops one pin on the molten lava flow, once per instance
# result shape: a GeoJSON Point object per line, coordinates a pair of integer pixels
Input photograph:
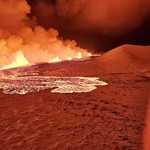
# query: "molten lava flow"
{"type": "Point", "coordinates": [89, 54]}
{"type": "Point", "coordinates": [69, 58]}
{"type": "Point", "coordinates": [23, 85]}
{"type": "Point", "coordinates": [19, 60]}
{"type": "Point", "coordinates": [57, 59]}
{"type": "Point", "coordinates": [79, 55]}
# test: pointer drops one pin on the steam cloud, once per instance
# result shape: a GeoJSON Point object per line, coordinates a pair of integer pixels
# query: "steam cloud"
{"type": "Point", "coordinates": [20, 33]}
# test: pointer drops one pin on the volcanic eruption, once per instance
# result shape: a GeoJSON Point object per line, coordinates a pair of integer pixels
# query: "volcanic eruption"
{"type": "Point", "coordinates": [22, 39]}
{"type": "Point", "coordinates": [55, 94]}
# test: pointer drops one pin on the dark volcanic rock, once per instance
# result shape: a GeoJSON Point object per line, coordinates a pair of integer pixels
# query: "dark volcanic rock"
{"type": "Point", "coordinates": [109, 118]}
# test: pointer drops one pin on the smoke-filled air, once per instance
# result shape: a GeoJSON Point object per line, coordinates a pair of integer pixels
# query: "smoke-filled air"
{"type": "Point", "coordinates": [23, 42]}
{"type": "Point", "coordinates": [108, 17]}
{"type": "Point", "coordinates": [31, 35]}
{"type": "Point", "coordinates": [98, 25]}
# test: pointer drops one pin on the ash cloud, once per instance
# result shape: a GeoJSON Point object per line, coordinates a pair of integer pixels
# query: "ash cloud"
{"type": "Point", "coordinates": [98, 18]}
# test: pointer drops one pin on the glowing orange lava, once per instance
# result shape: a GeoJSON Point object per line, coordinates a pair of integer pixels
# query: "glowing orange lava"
{"type": "Point", "coordinates": [56, 59]}
{"type": "Point", "coordinates": [19, 60]}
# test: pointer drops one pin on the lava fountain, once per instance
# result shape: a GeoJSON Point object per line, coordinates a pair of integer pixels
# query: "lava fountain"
{"type": "Point", "coordinates": [23, 42]}
{"type": "Point", "coordinates": [19, 60]}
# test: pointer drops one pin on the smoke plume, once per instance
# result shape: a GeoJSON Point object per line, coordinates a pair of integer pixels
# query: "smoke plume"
{"type": "Point", "coordinates": [19, 33]}
{"type": "Point", "coordinates": [103, 16]}
{"type": "Point", "coordinates": [96, 24]}
{"type": "Point", "coordinates": [32, 32]}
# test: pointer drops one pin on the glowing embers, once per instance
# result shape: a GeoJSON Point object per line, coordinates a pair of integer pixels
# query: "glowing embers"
{"type": "Point", "coordinates": [23, 85]}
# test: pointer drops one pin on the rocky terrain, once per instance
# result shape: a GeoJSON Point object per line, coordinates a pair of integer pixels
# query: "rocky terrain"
{"type": "Point", "coordinates": [111, 117]}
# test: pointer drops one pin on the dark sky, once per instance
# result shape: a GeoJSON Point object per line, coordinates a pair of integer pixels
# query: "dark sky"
{"type": "Point", "coordinates": [96, 25]}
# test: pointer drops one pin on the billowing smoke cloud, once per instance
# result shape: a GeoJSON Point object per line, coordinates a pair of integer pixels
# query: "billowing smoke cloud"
{"type": "Point", "coordinates": [19, 33]}
{"type": "Point", "coordinates": [104, 16]}
{"type": "Point", "coordinates": [96, 24]}
{"type": "Point", "coordinates": [19, 30]}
